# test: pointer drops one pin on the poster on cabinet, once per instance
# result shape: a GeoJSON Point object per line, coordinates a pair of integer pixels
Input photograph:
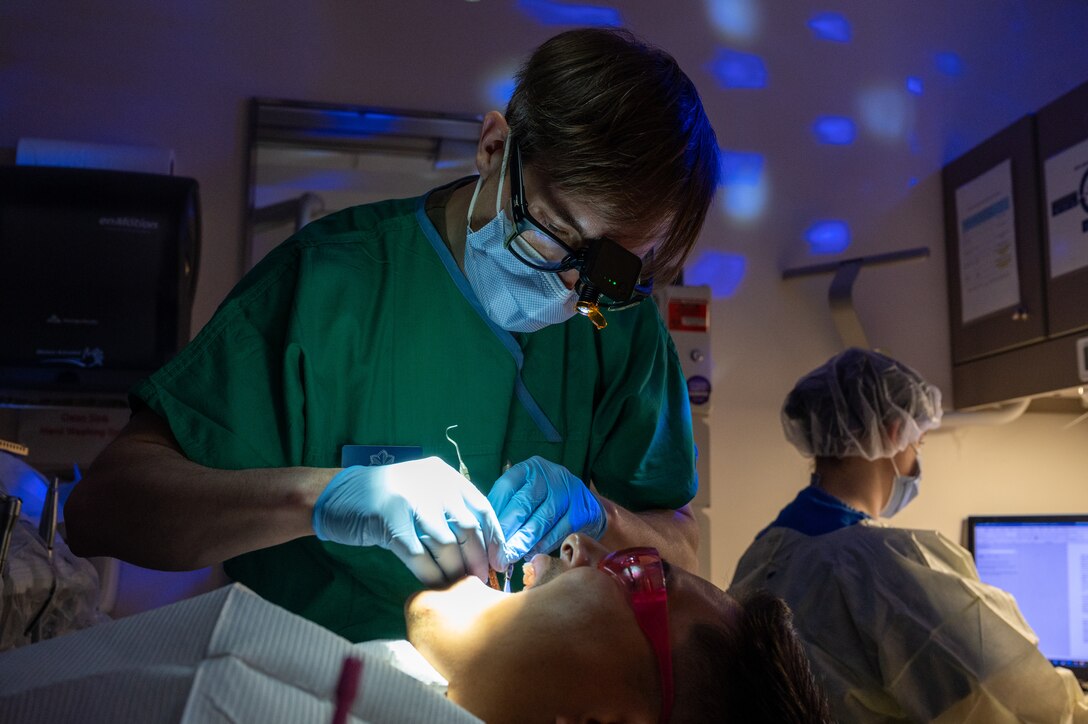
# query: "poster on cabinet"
{"type": "Point", "coordinates": [989, 280]}
{"type": "Point", "coordinates": [1066, 177]}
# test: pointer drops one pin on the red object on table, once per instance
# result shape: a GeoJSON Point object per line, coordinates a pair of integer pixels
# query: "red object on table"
{"type": "Point", "coordinates": [347, 688]}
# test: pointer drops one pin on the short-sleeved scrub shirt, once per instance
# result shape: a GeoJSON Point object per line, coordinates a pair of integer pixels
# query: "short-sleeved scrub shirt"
{"type": "Point", "coordinates": [361, 330]}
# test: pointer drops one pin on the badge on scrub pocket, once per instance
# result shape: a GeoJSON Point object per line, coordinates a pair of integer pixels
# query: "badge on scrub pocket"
{"type": "Point", "coordinates": [378, 454]}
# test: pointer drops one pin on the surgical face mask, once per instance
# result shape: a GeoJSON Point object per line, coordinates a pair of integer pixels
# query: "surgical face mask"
{"type": "Point", "coordinates": [516, 297]}
{"type": "Point", "coordinates": [904, 487]}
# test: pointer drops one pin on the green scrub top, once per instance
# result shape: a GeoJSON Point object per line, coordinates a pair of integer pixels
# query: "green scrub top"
{"type": "Point", "coordinates": [361, 330]}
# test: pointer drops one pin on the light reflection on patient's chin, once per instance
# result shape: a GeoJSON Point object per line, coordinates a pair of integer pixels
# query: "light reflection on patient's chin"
{"type": "Point", "coordinates": [455, 608]}
{"type": "Point", "coordinates": [454, 611]}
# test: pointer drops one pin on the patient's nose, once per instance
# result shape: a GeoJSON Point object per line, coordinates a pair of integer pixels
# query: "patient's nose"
{"type": "Point", "coordinates": [579, 550]}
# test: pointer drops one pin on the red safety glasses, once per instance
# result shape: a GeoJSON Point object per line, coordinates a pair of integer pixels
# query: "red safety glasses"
{"type": "Point", "coordinates": [640, 572]}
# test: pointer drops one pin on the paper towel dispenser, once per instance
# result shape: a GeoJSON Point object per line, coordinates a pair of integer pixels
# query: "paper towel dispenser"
{"type": "Point", "coordinates": [97, 274]}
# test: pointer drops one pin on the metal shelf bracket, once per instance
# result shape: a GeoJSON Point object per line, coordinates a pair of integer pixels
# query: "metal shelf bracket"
{"type": "Point", "coordinates": [840, 295]}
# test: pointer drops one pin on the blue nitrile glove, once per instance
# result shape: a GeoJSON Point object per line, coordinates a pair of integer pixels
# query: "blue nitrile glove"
{"type": "Point", "coordinates": [539, 504]}
{"type": "Point", "coordinates": [424, 511]}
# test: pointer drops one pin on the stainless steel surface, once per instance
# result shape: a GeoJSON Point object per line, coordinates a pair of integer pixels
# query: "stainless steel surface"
{"type": "Point", "coordinates": [11, 509]}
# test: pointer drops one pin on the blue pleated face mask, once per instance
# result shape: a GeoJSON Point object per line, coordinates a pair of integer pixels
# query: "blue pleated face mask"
{"type": "Point", "coordinates": [516, 297]}
{"type": "Point", "coordinates": [904, 488]}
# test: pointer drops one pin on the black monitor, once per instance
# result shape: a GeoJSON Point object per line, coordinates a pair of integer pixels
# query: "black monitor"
{"type": "Point", "coordinates": [1042, 560]}
{"type": "Point", "coordinates": [97, 274]}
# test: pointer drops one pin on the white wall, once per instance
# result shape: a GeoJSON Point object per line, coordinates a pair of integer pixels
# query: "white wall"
{"type": "Point", "coordinates": [178, 75]}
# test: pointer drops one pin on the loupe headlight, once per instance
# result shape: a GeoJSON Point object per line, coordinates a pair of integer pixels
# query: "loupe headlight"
{"type": "Point", "coordinates": [609, 277]}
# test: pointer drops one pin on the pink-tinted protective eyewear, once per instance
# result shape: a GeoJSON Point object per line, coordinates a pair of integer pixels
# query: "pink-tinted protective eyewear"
{"type": "Point", "coordinates": [642, 576]}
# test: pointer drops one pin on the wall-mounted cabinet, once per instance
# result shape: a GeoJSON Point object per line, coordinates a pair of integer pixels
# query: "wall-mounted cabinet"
{"type": "Point", "coordinates": [995, 261]}
{"type": "Point", "coordinates": [1063, 153]}
{"type": "Point", "coordinates": [1016, 229]}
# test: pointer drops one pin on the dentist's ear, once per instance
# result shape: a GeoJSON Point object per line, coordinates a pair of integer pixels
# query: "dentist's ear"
{"type": "Point", "coordinates": [492, 143]}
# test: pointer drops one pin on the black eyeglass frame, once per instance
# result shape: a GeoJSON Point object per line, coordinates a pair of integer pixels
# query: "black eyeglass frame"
{"type": "Point", "coordinates": [605, 269]}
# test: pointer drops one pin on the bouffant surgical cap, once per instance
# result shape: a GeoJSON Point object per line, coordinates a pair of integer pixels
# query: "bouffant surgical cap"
{"type": "Point", "coordinates": [860, 403]}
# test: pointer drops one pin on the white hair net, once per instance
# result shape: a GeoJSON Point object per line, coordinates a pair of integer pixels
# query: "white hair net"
{"type": "Point", "coordinates": [859, 403]}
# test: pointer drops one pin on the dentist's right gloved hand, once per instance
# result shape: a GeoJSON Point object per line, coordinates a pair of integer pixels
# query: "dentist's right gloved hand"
{"type": "Point", "coordinates": [424, 511]}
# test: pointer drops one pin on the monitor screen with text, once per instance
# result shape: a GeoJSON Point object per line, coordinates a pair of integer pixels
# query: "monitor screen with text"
{"type": "Point", "coordinates": [1043, 562]}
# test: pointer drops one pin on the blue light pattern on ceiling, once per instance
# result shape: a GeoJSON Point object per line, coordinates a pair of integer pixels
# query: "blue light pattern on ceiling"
{"type": "Point", "coordinates": [834, 130]}
{"type": "Point", "coordinates": [739, 70]}
{"type": "Point", "coordinates": [830, 26]}
{"type": "Point", "coordinates": [949, 63]}
{"type": "Point", "coordinates": [549, 12]}
{"type": "Point", "coordinates": [886, 112]}
{"type": "Point", "coordinates": [735, 19]}
{"type": "Point", "coordinates": [738, 167]}
{"type": "Point", "coordinates": [914, 85]}
{"type": "Point", "coordinates": [500, 89]}
{"type": "Point", "coordinates": [720, 271]}
{"type": "Point", "coordinates": [745, 203]}
{"type": "Point", "coordinates": [828, 237]}
{"type": "Point", "coordinates": [744, 189]}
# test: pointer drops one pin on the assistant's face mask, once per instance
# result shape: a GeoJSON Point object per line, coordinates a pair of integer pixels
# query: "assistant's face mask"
{"type": "Point", "coordinates": [516, 297]}
{"type": "Point", "coordinates": [904, 487]}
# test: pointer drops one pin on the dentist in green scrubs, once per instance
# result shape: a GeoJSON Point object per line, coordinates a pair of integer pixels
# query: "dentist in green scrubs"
{"type": "Point", "coordinates": [301, 438]}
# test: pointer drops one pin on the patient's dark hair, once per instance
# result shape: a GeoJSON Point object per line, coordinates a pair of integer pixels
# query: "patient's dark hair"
{"type": "Point", "coordinates": [752, 669]}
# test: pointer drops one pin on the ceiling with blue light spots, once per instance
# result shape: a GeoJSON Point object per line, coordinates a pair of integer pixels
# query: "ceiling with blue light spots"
{"type": "Point", "coordinates": [829, 115]}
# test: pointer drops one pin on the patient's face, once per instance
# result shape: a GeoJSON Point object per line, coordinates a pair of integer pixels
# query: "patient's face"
{"type": "Point", "coordinates": [571, 636]}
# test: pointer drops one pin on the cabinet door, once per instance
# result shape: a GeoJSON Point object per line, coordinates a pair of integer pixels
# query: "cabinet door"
{"type": "Point", "coordinates": [994, 256]}
{"type": "Point", "coordinates": [1063, 169]}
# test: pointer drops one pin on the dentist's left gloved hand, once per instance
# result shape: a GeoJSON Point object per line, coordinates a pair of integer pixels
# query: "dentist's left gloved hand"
{"type": "Point", "coordinates": [539, 504]}
{"type": "Point", "coordinates": [424, 511]}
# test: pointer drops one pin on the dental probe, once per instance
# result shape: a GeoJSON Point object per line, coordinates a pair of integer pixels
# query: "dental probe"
{"type": "Point", "coordinates": [461, 467]}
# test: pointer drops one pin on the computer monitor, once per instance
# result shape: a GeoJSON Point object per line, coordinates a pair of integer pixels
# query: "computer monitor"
{"type": "Point", "coordinates": [1042, 560]}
